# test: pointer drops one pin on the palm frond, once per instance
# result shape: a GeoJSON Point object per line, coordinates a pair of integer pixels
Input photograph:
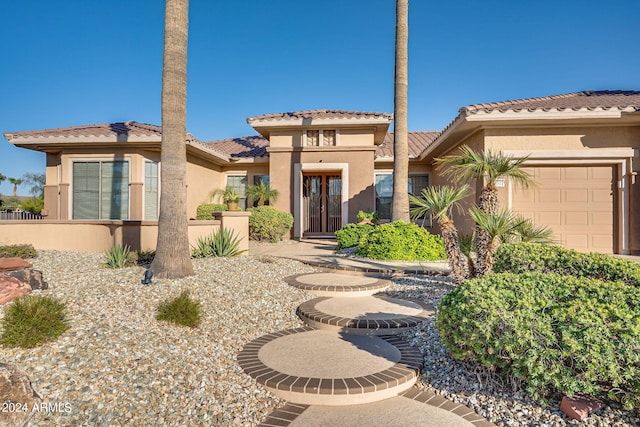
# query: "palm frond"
{"type": "Point", "coordinates": [438, 200]}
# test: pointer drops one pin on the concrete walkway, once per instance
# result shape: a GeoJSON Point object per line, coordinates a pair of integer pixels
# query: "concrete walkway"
{"type": "Point", "coordinates": [321, 253]}
{"type": "Point", "coordinates": [346, 368]}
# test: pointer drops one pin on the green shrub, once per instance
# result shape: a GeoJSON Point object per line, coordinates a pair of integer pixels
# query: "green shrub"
{"type": "Point", "coordinates": [400, 240]}
{"type": "Point", "coordinates": [206, 210]}
{"type": "Point", "coordinates": [181, 310]}
{"type": "Point", "coordinates": [21, 251]}
{"type": "Point", "coordinates": [553, 332]}
{"type": "Point", "coordinates": [350, 235]}
{"type": "Point", "coordinates": [33, 204]}
{"type": "Point", "coordinates": [32, 320]}
{"type": "Point", "coordinates": [221, 243]}
{"type": "Point", "coordinates": [268, 223]}
{"type": "Point", "coordinates": [118, 256]}
{"type": "Point", "coordinates": [523, 257]}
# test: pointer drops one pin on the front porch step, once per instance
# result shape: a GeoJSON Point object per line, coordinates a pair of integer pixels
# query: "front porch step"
{"type": "Point", "coordinates": [316, 367]}
{"type": "Point", "coordinates": [370, 315]}
{"type": "Point", "coordinates": [337, 285]}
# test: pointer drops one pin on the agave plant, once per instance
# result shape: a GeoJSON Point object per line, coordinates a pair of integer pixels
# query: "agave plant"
{"type": "Point", "coordinates": [117, 257]}
{"type": "Point", "coordinates": [440, 201]}
{"type": "Point", "coordinates": [221, 243]}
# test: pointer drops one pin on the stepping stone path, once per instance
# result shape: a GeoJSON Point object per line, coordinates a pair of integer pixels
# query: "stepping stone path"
{"type": "Point", "coordinates": [348, 367]}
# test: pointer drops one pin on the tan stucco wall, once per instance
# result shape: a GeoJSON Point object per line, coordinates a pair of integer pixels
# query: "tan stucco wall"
{"type": "Point", "coordinates": [202, 178]}
{"type": "Point", "coordinates": [356, 137]}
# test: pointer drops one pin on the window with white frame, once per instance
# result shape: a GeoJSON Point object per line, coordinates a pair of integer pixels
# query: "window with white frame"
{"type": "Point", "coordinates": [100, 190]}
{"type": "Point", "coordinates": [384, 192]}
{"type": "Point", "coordinates": [239, 184]}
{"type": "Point", "coordinates": [151, 190]}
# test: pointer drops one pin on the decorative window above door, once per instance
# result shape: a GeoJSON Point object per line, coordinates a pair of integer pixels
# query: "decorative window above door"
{"type": "Point", "coordinates": [320, 137]}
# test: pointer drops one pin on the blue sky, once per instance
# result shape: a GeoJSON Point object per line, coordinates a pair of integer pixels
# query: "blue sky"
{"type": "Point", "coordinates": [76, 62]}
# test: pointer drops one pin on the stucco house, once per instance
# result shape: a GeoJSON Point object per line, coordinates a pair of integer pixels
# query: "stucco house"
{"type": "Point", "coordinates": [583, 148]}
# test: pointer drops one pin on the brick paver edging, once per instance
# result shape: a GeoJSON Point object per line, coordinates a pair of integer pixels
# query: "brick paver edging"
{"type": "Point", "coordinates": [307, 311]}
{"type": "Point", "coordinates": [405, 370]}
{"type": "Point", "coordinates": [379, 284]}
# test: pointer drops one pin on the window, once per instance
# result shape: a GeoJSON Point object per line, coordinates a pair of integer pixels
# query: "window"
{"type": "Point", "coordinates": [261, 178]}
{"type": "Point", "coordinates": [239, 184]}
{"type": "Point", "coordinates": [384, 191]}
{"type": "Point", "coordinates": [101, 190]}
{"type": "Point", "coordinates": [322, 137]}
{"type": "Point", "coordinates": [151, 190]}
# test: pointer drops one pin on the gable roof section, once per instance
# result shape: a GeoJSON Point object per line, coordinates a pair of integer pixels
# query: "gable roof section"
{"type": "Point", "coordinates": [417, 141]}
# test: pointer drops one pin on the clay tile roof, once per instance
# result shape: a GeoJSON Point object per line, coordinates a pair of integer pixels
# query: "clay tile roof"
{"type": "Point", "coordinates": [97, 130]}
{"type": "Point", "coordinates": [417, 141]}
{"type": "Point", "coordinates": [605, 99]}
{"type": "Point", "coordinates": [248, 146]}
{"type": "Point", "coordinates": [320, 114]}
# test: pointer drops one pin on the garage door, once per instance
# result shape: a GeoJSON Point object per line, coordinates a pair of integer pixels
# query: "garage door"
{"type": "Point", "coordinates": [575, 202]}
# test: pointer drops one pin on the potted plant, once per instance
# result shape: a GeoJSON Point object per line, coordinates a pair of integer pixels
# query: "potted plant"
{"type": "Point", "coordinates": [228, 196]}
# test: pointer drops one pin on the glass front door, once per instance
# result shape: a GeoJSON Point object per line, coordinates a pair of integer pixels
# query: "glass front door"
{"type": "Point", "coordinates": [322, 204]}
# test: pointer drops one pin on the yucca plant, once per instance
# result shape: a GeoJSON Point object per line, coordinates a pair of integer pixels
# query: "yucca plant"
{"type": "Point", "coordinates": [32, 320]}
{"type": "Point", "coordinates": [118, 256]}
{"type": "Point", "coordinates": [221, 243]}
{"type": "Point", "coordinates": [440, 201]}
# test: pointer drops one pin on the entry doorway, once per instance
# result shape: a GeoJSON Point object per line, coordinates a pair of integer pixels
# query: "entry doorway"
{"type": "Point", "coordinates": [321, 204]}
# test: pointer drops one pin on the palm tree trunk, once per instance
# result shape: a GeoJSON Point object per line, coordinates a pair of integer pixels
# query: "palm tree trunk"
{"type": "Point", "coordinates": [400, 201]}
{"type": "Point", "coordinates": [489, 203]}
{"type": "Point", "coordinates": [173, 256]}
{"type": "Point", "coordinates": [452, 248]}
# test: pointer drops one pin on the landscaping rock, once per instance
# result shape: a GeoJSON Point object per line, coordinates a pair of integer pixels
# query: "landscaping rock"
{"type": "Point", "coordinates": [10, 264]}
{"type": "Point", "coordinates": [30, 276]}
{"type": "Point", "coordinates": [12, 288]}
{"type": "Point", "coordinates": [17, 393]}
{"type": "Point", "coordinates": [579, 407]}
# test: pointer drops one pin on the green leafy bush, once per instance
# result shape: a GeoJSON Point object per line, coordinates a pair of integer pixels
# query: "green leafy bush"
{"type": "Point", "coordinates": [221, 243]}
{"type": "Point", "coordinates": [553, 332]}
{"type": "Point", "coordinates": [118, 256]}
{"type": "Point", "coordinates": [350, 235]}
{"type": "Point", "coordinates": [268, 223]}
{"type": "Point", "coordinates": [32, 320]}
{"type": "Point", "coordinates": [21, 251]}
{"type": "Point", "coordinates": [400, 240]}
{"type": "Point", "coordinates": [206, 210]}
{"type": "Point", "coordinates": [181, 310]}
{"type": "Point", "coordinates": [33, 204]}
{"type": "Point", "coordinates": [524, 257]}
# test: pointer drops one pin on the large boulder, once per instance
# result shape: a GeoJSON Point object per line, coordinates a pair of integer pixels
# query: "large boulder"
{"type": "Point", "coordinates": [29, 276]}
{"type": "Point", "coordinates": [17, 394]}
{"type": "Point", "coordinates": [12, 288]}
{"type": "Point", "coordinates": [10, 264]}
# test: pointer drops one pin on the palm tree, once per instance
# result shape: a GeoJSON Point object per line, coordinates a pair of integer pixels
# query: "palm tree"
{"type": "Point", "coordinates": [467, 248]}
{"type": "Point", "coordinates": [262, 193]}
{"type": "Point", "coordinates": [440, 201]}
{"type": "Point", "coordinates": [487, 166]}
{"type": "Point", "coordinates": [173, 256]}
{"type": "Point", "coordinates": [15, 182]}
{"type": "Point", "coordinates": [499, 227]}
{"type": "Point", "coordinates": [528, 232]}
{"type": "Point", "coordinates": [400, 200]}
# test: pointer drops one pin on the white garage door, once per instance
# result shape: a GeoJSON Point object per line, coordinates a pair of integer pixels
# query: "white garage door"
{"type": "Point", "coordinates": [576, 202]}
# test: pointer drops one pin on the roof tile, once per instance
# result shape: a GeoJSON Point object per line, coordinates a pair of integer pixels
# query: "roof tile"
{"type": "Point", "coordinates": [417, 141]}
{"type": "Point", "coordinates": [248, 146]}
{"type": "Point", "coordinates": [319, 114]}
{"type": "Point", "coordinates": [96, 130]}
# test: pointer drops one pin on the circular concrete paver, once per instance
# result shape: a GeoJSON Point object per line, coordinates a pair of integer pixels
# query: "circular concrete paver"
{"type": "Point", "coordinates": [328, 355]}
{"type": "Point", "coordinates": [334, 279]}
{"type": "Point", "coordinates": [375, 307]}
{"type": "Point", "coordinates": [334, 285]}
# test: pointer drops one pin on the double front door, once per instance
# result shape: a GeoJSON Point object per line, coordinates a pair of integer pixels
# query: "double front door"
{"type": "Point", "coordinates": [322, 204]}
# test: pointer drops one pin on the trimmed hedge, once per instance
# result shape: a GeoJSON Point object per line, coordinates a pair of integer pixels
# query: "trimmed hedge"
{"type": "Point", "coordinates": [350, 235]}
{"type": "Point", "coordinates": [525, 257]}
{"type": "Point", "coordinates": [404, 241]}
{"type": "Point", "coordinates": [206, 210]}
{"type": "Point", "coordinates": [268, 223]}
{"type": "Point", "coordinates": [553, 332]}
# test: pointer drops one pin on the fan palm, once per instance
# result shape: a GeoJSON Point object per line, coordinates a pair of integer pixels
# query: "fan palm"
{"type": "Point", "coordinates": [15, 182]}
{"type": "Point", "coordinates": [498, 227]}
{"type": "Point", "coordinates": [467, 248]}
{"type": "Point", "coordinates": [488, 166]}
{"type": "Point", "coordinates": [262, 193]}
{"type": "Point", "coordinates": [528, 232]}
{"type": "Point", "coordinates": [440, 202]}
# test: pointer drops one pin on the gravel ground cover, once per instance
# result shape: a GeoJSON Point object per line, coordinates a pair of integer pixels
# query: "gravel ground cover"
{"type": "Point", "coordinates": [117, 365]}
